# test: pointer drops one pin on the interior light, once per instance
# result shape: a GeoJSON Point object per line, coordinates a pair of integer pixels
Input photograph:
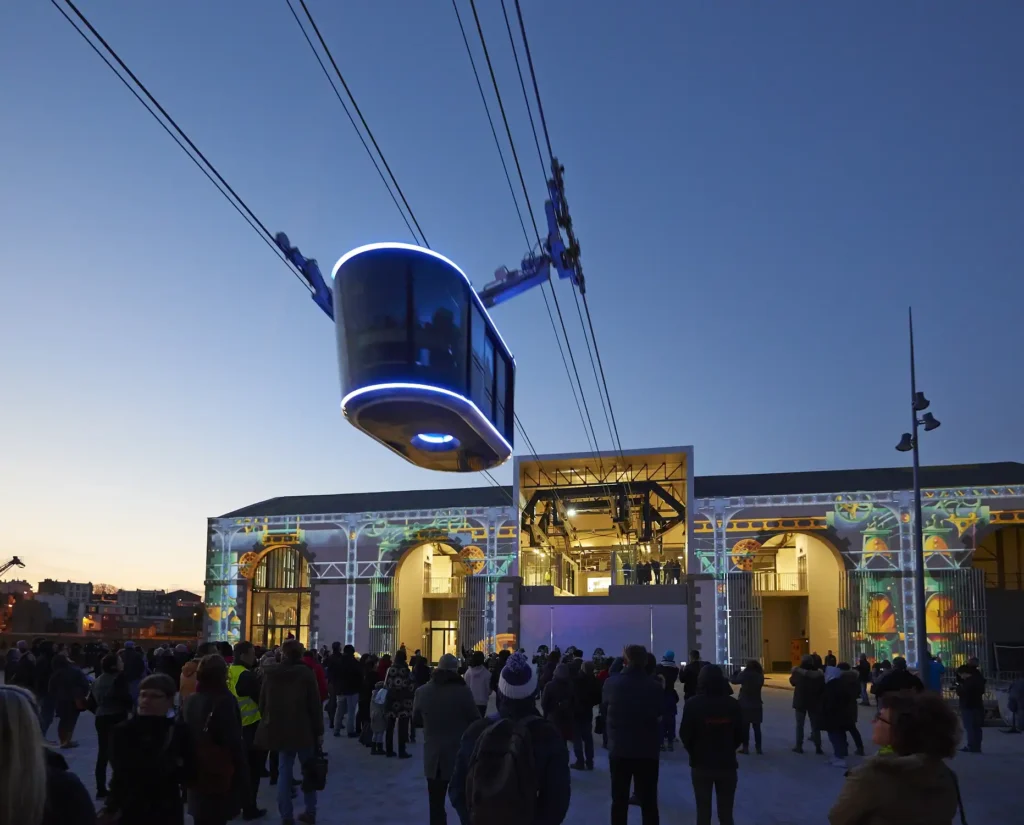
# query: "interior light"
{"type": "Point", "coordinates": [571, 512]}
{"type": "Point", "coordinates": [435, 438]}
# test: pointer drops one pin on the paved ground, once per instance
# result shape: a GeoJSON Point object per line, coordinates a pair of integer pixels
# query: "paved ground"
{"type": "Point", "coordinates": [779, 787]}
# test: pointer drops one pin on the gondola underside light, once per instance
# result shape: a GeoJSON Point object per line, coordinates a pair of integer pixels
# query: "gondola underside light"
{"type": "Point", "coordinates": [423, 369]}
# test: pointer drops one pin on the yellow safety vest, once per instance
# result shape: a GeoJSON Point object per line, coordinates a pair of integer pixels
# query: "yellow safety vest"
{"type": "Point", "coordinates": [247, 707]}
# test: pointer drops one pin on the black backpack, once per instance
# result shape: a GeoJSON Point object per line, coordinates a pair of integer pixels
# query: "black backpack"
{"type": "Point", "coordinates": [501, 783]}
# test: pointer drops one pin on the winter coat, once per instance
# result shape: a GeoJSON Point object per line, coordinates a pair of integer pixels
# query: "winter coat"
{"type": "Point", "coordinates": [689, 675]}
{"type": "Point", "coordinates": [588, 692]}
{"type": "Point", "coordinates": [67, 800]}
{"type": "Point", "coordinates": [712, 725]}
{"type": "Point", "coordinates": [135, 666]}
{"type": "Point", "coordinates": [863, 669]}
{"type": "Point", "coordinates": [558, 702]}
{"type": "Point", "coordinates": [366, 692]}
{"type": "Point", "coordinates": [345, 674]}
{"type": "Point", "coordinates": [550, 758]}
{"type": "Point", "coordinates": [187, 682]}
{"type": "Point", "coordinates": [970, 688]}
{"type": "Point", "coordinates": [291, 716]}
{"type": "Point", "coordinates": [111, 694]}
{"type": "Point", "coordinates": [669, 671]}
{"type": "Point", "coordinates": [25, 672]}
{"type": "Point", "coordinates": [400, 689]}
{"type": "Point", "coordinates": [445, 707]}
{"type": "Point", "coordinates": [378, 715]}
{"type": "Point", "coordinates": [151, 758]}
{"type": "Point", "coordinates": [225, 730]}
{"type": "Point", "coordinates": [897, 790]}
{"type": "Point", "coordinates": [669, 704]}
{"type": "Point", "coordinates": [479, 680]}
{"type": "Point", "coordinates": [839, 700]}
{"type": "Point", "coordinates": [752, 706]}
{"type": "Point", "coordinates": [631, 705]}
{"type": "Point", "coordinates": [808, 686]}
{"type": "Point", "coordinates": [309, 660]}
{"type": "Point", "coordinates": [420, 673]}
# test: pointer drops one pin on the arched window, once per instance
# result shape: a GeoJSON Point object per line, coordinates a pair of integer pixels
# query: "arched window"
{"type": "Point", "coordinates": [280, 598]}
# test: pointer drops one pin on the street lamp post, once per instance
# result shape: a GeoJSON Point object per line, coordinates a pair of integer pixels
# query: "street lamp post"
{"type": "Point", "coordinates": [909, 443]}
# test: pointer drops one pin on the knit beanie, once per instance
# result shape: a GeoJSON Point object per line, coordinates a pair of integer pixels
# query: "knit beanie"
{"type": "Point", "coordinates": [518, 679]}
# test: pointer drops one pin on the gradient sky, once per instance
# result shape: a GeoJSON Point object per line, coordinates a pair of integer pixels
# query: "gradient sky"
{"type": "Point", "coordinates": [760, 190]}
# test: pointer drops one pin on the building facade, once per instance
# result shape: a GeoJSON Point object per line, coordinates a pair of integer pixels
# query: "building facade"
{"type": "Point", "coordinates": [761, 567]}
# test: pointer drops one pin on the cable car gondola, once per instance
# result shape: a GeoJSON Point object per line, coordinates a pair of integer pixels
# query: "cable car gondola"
{"type": "Point", "coordinates": [424, 370]}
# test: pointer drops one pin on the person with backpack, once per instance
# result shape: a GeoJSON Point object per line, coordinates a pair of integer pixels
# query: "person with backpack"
{"type": "Point", "coordinates": [512, 768]}
{"type": "Point", "coordinates": [631, 704]}
{"type": "Point", "coordinates": [558, 702]}
{"type": "Point", "coordinates": [444, 708]}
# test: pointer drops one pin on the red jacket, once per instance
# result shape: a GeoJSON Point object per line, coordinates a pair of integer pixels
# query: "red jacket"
{"type": "Point", "coordinates": [309, 660]}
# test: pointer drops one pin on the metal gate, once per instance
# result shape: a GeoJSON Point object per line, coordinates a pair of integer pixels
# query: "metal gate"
{"type": "Point", "coordinates": [472, 607]}
{"type": "Point", "coordinates": [744, 615]}
{"type": "Point", "coordinates": [383, 615]}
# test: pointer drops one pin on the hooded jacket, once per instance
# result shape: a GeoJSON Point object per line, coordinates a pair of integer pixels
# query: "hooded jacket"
{"type": "Point", "coordinates": [712, 726]}
{"type": "Point", "coordinates": [668, 670]}
{"type": "Point", "coordinates": [897, 790]}
{"type": "Point", "coordinates": [839, 700]}
{"type": "Point", "coordinates": [751, 681]}
{"type": "Point", "coordinates": [478, 678]}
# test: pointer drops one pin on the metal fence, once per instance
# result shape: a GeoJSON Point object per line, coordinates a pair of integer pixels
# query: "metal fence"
{"type": "Point", "coordinates": [772, 581]}
{"type": "Point", "coordinates": [442, 585]}
{"type": "Point", "coordinates": [744, 618]}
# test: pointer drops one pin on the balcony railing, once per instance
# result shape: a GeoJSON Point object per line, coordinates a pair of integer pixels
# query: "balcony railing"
{"type": "Point", "coordinates": [772, 581]}
{"type": "Point", "coordinates": [442, 585]}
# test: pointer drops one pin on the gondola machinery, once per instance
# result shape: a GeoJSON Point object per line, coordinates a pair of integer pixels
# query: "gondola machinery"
{"type": "Point", "coordinates": [423, 368]}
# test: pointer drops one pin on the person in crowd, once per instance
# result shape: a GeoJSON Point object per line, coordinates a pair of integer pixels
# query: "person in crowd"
{"type": "Point", "coordinates": [588, 694]}
{"type": "Point", "coordinates": [309, 660]}
{"type": "Point", "coordinates": [368, 666]}
{"type": "Point", "coordinates": [444, 707]}
{"type": "Point", "coordinates": [627, 572]}
{"type": "Point", "coordinates": [378, 719]}
{"type": "Point", "coordinates": [11, 659]}
{"type": "Point", "coordinates": [420, 676]}
{"type": "Point", "coordinates": [214, 723]}
{"type": "Point", "coordinates": [830, 659]}
{"type": "Point", "coordinates": [346, 682]}
{"type": "Point", "coordinates": [383, 666]}
{"type": "Point", "coordinates": [135, 668]}
{"type": "Point", "coordinates": [187, 681]}
{"type": "Point", "coordinates": [656, 570]}
{"type": "Point", "coordinates": [68, 689]}
{"type": "Point", "coordinates": [669, 671]}
{"type": "Point", "coordinates": [864, 678]}
{"type": "Point", "coordinates": [669, 709]}
{"type": "Point", "coordinates": [970, 690]}
{"type": "Point", "coordinates": [614, 666]}
{"type": "Point", "coordinates": [25, 671]}
{"type": "Point", "coordinates": [897, 679]}
{"type": "Point", "coordinates": [41, 672]}
{"type": "Point", "coordinates": [111, 702]}
{"type": "Point", "coordinates": [689, 674]}
{"type": "Point", "coordinates": [497, 666]}
{"type": "Point", "coordinates": [244, 682]}
{"type": "Point", "coordinates": [808, 686]}
{"type": "Point", "coordinates": [227, 653]}
{"type": "Point", "coordinates": [839, 712]}
{"type": "Point", "coordinates": [330, 664]}
{"type": "Point", "coordinates": [934, 672]}
{"type": "Point", "coordinates": [711, 729]}
{"type": "Point", "coordinates": [517, 716]}
{"type": "Point", "coordinates": [631, 703]}
{"type": "Point", "coordinates": [291, 723]}
{"type": "Point", "coordinates": [36, 787]}
{"type": "Point", "coordinates": [558, 701]}
{"type": "Point", "coordinates": [398, 683]}
{"type": "Point", "coordinates": [150, 757]}
{"type": "Point", "coordinates": [478, 677]}
{"type": "Point", "coordinates": [751, 681]}
{"type": "Point", "coordinates": [908, 780]}
{"type": "Point", "coordinates": [547, 673]}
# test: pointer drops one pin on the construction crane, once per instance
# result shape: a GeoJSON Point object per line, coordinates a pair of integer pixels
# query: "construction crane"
{"type": "Point", "coordinates": [15, 562]}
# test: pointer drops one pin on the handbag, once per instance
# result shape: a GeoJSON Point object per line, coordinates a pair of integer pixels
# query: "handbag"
{"type": "Point", "coordinates": [381, 697]}
{"type": "Point", "coordinates": [314, 772]}
{"type": "Point", "coordinates": [215, 767]}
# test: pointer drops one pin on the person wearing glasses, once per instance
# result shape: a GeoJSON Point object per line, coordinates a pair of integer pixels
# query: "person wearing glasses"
{"type": "Point", "coordinates": [907, 781]}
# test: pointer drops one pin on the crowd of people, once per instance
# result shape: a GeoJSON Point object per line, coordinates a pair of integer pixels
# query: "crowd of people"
{"type": "Point", "coordinates": [198, 731]}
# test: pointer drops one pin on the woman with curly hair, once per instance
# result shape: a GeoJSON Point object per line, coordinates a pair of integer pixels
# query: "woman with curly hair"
{"type": "Point", "coordinates": [398, 682]}
{"type": "Point", "coordinates": [908, 781]}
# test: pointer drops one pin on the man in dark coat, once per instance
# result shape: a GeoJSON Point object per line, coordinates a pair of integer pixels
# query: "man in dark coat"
{"type": "Point", "coordinates": [631, 704]}
{"type": "Point", "coordinates": [970, 688]}
{"type": "Point", "coordinates": [444, 708]}
{"type": "Point", "coordinates": [711, 730]}
{"type": "Point", "coordinates": [689, 674]}
{"type": "Point", "coordinates": [897, 679]}
{"type": "Point", "coordinates": [839, 711]}
{"type": "Point", "coordinates": [808, 685]}
{"type": "Point", "coordinates": [346, 680]}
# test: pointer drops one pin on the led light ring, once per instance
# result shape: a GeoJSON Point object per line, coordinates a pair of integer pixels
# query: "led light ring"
{"type": "Point", "coordinates": [408, 247]}
{"type": "Point", "coordinates": [427, 388]}
{"type": "Point", "coordinates": [432, 438]}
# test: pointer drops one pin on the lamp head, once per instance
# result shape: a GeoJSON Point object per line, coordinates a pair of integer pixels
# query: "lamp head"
{"type": "Point", "coordinates": [906, 443]}
{"type": "Point", "coordinates": [930, 422]}
{"type": "Point", "coordinates": [920, 402]}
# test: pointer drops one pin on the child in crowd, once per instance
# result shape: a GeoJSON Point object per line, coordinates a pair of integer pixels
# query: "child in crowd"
{"type": "Point", "coordinates": [378, 719]}
{"type": "Point", "coordinates": [670, 701]}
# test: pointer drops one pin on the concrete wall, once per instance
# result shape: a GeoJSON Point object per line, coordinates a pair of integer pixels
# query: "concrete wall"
{"type": "Point", "coordinates": [823, 568]}
{"type": "Point", "coordinates": [329, 610]}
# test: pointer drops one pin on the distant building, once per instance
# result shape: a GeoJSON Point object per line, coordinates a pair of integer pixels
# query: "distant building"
{"type": "Point", "coordinates": [16, 588]}
{"type": "Point", "coordinates": [77, 592]}
{"type": "Point", "coordinates": [29, 616]}
{"type": "Point", "coordinates": [149, 602]}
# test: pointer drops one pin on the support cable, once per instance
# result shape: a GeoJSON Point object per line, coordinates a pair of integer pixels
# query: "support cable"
{"type": "Point", "coordinates": [178, 136]}
{"type": "Point", "coordinates": [526, 97]}
{"type": "Point", "coordinates": [366, 126]}
{"type": "Point", "coordinates": [352, 120]}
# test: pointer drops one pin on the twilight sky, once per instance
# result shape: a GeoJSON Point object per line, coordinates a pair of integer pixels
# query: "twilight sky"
{"type": "Point", "coordinates": [760, 189]}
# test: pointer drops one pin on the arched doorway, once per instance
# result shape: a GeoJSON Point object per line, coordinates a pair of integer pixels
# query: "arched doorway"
{"type": "Point", "coordinates": [430, 580]}
{"type": "Point", "coordinates": [280, 598]}
{"type": "Point", "coordinates": [999, 554]}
